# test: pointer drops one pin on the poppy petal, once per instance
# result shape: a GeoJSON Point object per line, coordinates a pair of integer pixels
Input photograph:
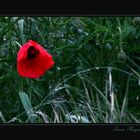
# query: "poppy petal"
{"type": "Point", "coordinates": [36, 67]}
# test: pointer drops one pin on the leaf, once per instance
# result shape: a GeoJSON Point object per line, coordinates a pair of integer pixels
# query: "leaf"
{"type": "Point", "coordinates": [77, 118]}
{"type": "Point", "coordinates": [27, 106]}
{"type": "Point", "coordinates": [21, 24]}
{"type": "Point", "coordinates": [2, 117]}
{"type": "Point", "coordinates": [21, 28]}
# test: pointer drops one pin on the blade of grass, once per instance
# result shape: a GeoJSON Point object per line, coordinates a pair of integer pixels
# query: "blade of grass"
{"type": "Point", "coordinates": [125, 100]}
{"type": "Point", "coordinates": [2, 117]}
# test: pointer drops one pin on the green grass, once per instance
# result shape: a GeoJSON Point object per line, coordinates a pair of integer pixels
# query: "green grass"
{"type": "Point", "coordinates": [95, 78]}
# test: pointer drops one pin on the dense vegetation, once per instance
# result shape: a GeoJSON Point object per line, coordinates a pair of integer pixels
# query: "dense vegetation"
{"type": "Point", "coordinates": [95, 78]}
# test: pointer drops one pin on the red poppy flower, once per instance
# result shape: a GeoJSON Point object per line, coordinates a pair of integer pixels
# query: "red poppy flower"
{"type": "Point", "coordinates": [33, 60]}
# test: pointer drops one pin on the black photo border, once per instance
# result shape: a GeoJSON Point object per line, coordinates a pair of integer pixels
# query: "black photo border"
{"type": "Point", "coordinates": [68, 131]}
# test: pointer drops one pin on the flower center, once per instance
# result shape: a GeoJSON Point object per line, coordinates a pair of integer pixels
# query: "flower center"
{"type": "Point", "coordinates": [32, 52]}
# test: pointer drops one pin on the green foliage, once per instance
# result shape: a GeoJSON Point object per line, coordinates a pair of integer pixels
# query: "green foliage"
{"type": "Point", "coordinates": [95, 79]}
